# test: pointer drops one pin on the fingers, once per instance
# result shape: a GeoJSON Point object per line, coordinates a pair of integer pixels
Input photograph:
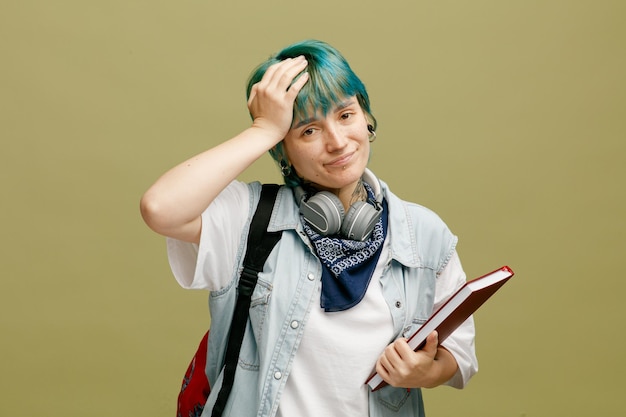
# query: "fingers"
{"type": "Point", "coordinates": [283, 73]}
{"type": "Point", "coordinates": [279, 79]}
{"type": "Point", "coordinates": [297, 85]}
{"type": "Point", "coordinates": [399, 363]}
{"type": "Point", "coordinates": [392, 357]}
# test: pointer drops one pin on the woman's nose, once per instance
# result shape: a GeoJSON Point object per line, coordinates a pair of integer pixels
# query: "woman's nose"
{"type": "Point", "coordinates": [335, 138]}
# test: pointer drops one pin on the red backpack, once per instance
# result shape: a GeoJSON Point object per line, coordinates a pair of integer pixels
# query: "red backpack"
{"type": "Point", "coordinates": [195, 388]}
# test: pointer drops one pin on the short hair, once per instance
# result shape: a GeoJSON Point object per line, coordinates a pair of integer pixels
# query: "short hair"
{"type": "Point", "coordinates": [331, 80]}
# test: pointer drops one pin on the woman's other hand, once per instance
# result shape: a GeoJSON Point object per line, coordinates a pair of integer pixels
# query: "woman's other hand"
{"type": "Point", "coordinates": [429, 367]}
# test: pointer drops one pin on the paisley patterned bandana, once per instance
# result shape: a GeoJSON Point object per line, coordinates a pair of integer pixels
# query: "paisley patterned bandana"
{"type": "Point", "coordinates": [347, 265]}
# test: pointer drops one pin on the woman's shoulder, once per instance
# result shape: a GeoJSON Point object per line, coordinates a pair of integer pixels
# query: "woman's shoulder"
{"type": "Point", "coordinates": [421, 237]}
{"type": "Point", "coordinates": [415, 211]}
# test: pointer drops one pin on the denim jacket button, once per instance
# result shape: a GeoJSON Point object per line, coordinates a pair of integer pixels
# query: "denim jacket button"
{"type": "Point", "coordinates": [295, 324]}
{"type": "Point", "coordinates": [278, 375]}
{"type": "Point", "coordinates": [310, 276]}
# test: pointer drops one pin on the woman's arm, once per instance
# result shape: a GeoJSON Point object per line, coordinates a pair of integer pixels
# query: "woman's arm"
{"type": "Point", "coordinates": [172, 206]}
{"type": "Point", "coordinates": [453, 363]}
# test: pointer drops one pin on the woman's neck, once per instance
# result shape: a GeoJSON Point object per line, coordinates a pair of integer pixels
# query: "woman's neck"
{"type": "Point", "coordinates": [351, 194]}
{"type": "Point", "coordinates": [347, 195]}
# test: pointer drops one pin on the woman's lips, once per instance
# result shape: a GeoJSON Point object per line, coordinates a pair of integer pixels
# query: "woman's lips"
{"type": "Point", "coordinates": [341, 161]}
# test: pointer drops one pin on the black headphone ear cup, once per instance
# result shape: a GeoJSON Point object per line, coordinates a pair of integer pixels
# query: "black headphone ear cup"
{"type": "Point", "coordinates": [360, 220]}
{"type": "Point", "coordinates": [324, 212]}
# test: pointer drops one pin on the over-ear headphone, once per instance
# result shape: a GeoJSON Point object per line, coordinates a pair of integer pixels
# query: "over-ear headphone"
{"type": "Point", "coordinates": [324, 212]}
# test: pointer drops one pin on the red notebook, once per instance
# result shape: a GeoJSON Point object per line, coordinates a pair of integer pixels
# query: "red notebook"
{"type": "Point", "coordinates": [454, 312]}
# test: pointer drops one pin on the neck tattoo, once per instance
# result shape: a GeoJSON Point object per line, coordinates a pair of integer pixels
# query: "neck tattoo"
{"type": "Point", "coordinates": [359, 193]}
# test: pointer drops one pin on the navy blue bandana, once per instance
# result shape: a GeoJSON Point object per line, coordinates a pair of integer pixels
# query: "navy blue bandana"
{"type": "Point", "coordinates": [347, 265]}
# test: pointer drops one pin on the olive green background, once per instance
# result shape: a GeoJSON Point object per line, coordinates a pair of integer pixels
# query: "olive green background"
{"type": "Point", "coordinates": [505, 117]}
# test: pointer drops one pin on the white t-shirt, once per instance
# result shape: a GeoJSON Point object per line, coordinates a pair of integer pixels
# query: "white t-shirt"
{"type": "Point", "coordinates": [351, 338]}
{"type": "Point", "coordinates": [355, 336]}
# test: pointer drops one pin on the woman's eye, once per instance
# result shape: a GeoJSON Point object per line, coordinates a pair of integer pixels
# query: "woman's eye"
{"type": "Point", "coordinates": [307, 132]}
{"type": "Point", "coordinates": [346, 115]}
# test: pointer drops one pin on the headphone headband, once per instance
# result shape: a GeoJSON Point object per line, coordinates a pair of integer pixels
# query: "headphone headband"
{"type": "Point", "coordinates": [372, 181]}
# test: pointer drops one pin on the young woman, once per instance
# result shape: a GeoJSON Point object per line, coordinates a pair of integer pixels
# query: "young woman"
{"type": "Point", "coordinates": [337, 294]}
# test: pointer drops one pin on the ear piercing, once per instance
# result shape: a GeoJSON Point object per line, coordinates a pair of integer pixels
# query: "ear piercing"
{"type": "Point", "coordinates": [285, 169]}
{"type": "Point", "coordinates": [372, 137]}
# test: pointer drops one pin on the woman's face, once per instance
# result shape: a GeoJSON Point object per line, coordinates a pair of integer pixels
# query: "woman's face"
{"type": "Point", "coordinates": [330, 151]}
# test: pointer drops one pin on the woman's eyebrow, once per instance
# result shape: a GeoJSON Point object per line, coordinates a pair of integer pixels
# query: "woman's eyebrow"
{"type": "Point", "coordinates": [304, 122]}
{"type": "Point", "coordinates": [344, 104]}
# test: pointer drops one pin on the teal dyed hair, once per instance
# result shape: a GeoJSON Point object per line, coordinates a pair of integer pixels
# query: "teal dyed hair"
{"type": "Point", "coordinates": [331, 80]}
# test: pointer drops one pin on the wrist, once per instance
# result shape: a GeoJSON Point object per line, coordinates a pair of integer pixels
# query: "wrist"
{"type": "Point", "coordinates": [444, 367]}
{"type": "Point", "coordinates": [267, 134]}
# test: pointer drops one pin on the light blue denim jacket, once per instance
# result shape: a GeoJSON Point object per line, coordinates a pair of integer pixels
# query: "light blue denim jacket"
{"type": "Point", "coordinates": [421, 245]}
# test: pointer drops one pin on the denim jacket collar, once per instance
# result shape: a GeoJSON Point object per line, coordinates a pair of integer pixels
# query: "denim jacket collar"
{"type": "Point", "coordinates": [286, 216]}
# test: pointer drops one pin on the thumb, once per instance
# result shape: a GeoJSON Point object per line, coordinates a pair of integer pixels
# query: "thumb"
{"type": "Point", "coordinates": [432, 341]}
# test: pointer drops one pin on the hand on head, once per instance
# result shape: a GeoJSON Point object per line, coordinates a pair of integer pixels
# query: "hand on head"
{"type": "Point", "coordinates": [271, 99]}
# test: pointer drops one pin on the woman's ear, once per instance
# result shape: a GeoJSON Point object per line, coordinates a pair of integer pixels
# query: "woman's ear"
{"type": "Point", "coordinates": [369, 120]}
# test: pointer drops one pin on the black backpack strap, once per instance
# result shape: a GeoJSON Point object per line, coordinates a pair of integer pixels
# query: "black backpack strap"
{"type": "Point", "coordinates": [260, 244]}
